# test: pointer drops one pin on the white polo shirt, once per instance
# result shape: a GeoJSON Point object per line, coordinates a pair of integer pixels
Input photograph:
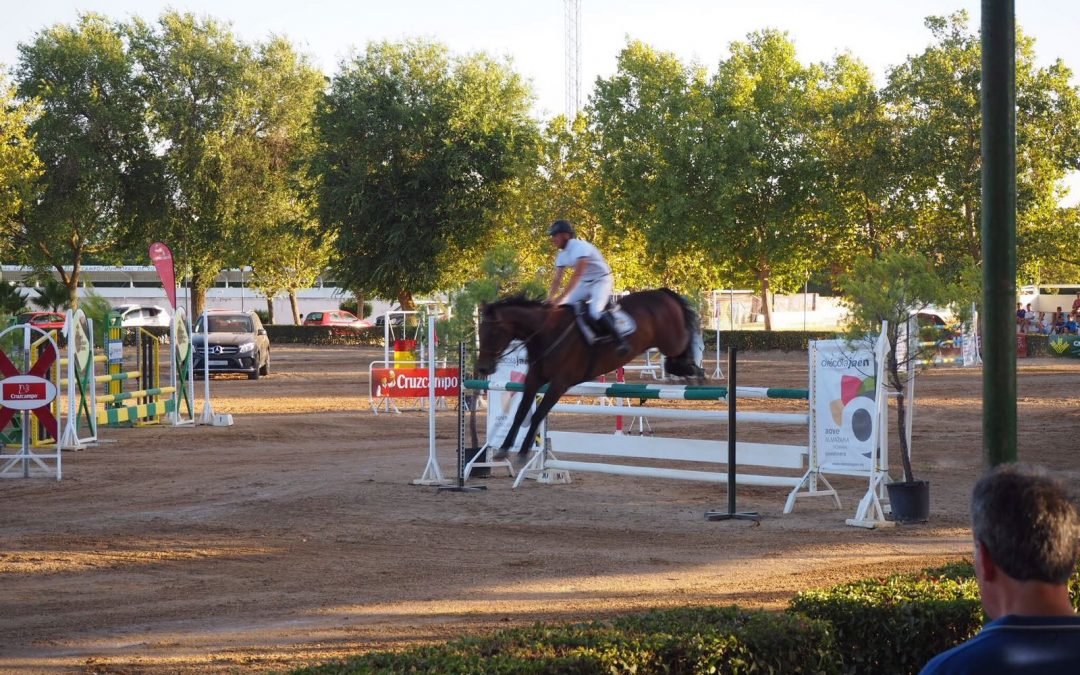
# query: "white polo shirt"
{"type": "Point", "coordinates": [575, 249]}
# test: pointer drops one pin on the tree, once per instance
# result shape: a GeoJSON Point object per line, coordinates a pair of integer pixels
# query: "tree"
{"type": "Point", "coordinates": [893, 287]}
{"type": "Point", "coordinates": [291, 259]}
{"type": "Point", "coordinates": [91, 140]}
{"type": "Point", "coordinates": [20, 167]}
{"type": "Point", "coordinates": [646, 122]}
{"type": "Point", "coordinates": [225, 117]}
{"type": "Point", "coordinates": [934, 97]}
{"type": "Point", "coordinates": [762, 211]}
{"type": "Point", "coordinates": [52, 295]}
{"type": "Point", "coordinates": [417, 151]}
{"type": "Point", "coordinates": [12, 301]}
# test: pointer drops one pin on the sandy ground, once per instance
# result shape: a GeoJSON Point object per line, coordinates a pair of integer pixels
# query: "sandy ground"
{"type": "Point", "coordinates": [295, 535]}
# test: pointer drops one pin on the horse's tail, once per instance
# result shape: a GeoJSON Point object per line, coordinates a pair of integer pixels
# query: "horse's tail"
{"type": "Point", "coordinates": [688, 362]}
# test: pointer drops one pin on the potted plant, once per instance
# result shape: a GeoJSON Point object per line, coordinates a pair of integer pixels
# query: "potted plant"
{"type": "Point", "coordinates": [893, 288]}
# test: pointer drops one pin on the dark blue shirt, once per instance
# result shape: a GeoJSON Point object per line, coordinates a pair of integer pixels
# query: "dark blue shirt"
{"type": "Point", "coordinates": [1046, 645]}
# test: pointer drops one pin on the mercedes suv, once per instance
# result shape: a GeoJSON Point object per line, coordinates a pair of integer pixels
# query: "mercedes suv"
{"type": "Point", "coordinates": [237, 343]}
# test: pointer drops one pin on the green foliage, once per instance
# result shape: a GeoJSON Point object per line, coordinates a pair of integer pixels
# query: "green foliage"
{"type": "Point", "coordinates": [692, 640]}
{"type": "Point", "coordinates": [323, 335]}
{"type": "Point", "coordinates": [52, 295]}
{"type": "Point", "coordinates": [432, 143]}
{"type": "Point", "coordinates": [12, 300]}
{"type": "Point", "coordinates": [97, 309]}
{"type": "Point", "coordinates": [97, 188]}
{"type": "Point", "coordinates": [352, 306]}
{"type": "Point", "coordinates": [20, 167]}
{"type": "Point", "coordinates": [894, 625]}
{"type": "Point", "coordinates": [897, 624]}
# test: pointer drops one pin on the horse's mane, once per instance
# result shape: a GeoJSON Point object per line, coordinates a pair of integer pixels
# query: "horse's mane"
{"type": "Point", "coordinates": [517, 300]}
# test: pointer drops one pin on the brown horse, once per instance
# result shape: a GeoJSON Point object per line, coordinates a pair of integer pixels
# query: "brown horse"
{"type": "Point", "coordinates": [560, 357]}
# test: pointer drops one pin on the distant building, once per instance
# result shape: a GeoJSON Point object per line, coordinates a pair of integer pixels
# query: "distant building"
{"type": "Point", "coordinates": [139, 284]}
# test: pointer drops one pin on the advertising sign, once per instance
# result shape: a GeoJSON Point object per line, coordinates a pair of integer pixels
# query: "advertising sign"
{"type": "Point", "coordinates": [413, 382]}
{"type": "Point", "coordinates": [844, 395]}
{"type": "Point", "coordinates": [26, 392]}
{"type": "Point", "coordinates": [161, 256]}
{"type": "Point", "coordinates": [502, 405]}
{"type": "Point", "coordinates": [1063, 345]}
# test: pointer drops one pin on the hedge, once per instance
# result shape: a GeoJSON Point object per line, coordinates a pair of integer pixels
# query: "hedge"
{"type": "Point", "coordinates": [324, 335]}
{"type": "Point", "coordinates": [682, 641]}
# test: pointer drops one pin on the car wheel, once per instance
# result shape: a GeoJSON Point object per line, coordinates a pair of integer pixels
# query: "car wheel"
{"type": "Point", "coordinates": [265, 370]}
{"type": "Point", "coordinates": [255, 372]}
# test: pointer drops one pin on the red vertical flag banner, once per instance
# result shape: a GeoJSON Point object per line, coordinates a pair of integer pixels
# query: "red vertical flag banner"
{"type": "Point", "coordinates": [162, 258]}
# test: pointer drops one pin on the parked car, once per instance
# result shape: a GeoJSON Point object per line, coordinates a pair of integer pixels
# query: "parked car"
{"type": "Point", "coordinates": [335, 317]}
{"type": "Point", "coordinates": [237, 343]}
{"type": "Point", "coordinates": [137, 316]}
{"type": "Point", "coordinates": [43, 320]}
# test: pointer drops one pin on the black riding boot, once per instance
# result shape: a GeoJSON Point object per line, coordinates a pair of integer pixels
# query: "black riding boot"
{"type": "Point", "coordinates": [608, 322]}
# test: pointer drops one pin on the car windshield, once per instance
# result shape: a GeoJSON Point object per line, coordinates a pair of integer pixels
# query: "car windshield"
{"type": "Point", "coordinates": [226, 324]}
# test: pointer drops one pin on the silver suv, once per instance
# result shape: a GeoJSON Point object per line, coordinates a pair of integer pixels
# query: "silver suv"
{"type": "Point", "coordinates": [237, 344]}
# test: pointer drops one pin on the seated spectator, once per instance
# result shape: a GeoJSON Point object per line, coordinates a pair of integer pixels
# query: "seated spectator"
{"type": "Point", "coordinates": [1070, 324]}
{"type": "Point", "coordinates": [1027, 543]}
{"type": "Point", "coordinates": [1059, 323]}
{"type": "Point", "coordinates": [1020, 316]}
{"type": "Point", "coordinates": [1046, 324]}
{"type": "Point", "coordinates": [1030, 325]}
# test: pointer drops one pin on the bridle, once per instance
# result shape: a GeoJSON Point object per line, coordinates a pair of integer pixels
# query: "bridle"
{"type": "Point", "coordinates": [551, 348]}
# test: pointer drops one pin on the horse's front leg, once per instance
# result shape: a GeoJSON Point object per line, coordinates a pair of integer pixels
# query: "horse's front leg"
{"type": "Point", "coordinates": [551, 397]}
{"type": "Point", "coordinates": [527, 398]}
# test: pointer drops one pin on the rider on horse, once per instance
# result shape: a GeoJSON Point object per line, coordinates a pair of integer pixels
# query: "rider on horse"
{"type": "Point", "coordinates": [591, 280]}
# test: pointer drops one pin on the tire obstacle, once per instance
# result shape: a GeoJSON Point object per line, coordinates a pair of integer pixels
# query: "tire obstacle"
{"type": "Point", "coordinates": [800, 468]}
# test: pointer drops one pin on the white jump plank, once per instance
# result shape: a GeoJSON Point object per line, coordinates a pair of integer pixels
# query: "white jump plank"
{"type": "Point", "coordinates": [680, 449]}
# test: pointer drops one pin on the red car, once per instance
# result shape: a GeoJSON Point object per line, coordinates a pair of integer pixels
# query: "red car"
{"type": "Point", "coordinates": [335, 317]}
{"type": "Point", "coordinates": [43, 320]}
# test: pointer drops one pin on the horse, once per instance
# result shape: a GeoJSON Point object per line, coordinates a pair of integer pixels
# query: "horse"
{"type": "Point", "coordinates": [560, 357]}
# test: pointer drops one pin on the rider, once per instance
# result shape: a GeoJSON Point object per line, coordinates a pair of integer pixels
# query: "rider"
{"type": "Point", "coordinates": [591, 280]}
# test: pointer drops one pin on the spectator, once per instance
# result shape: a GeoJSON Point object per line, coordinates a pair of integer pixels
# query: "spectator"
{"type": "Point", "coordinates": [1059, 323]}
{"type": "Point", "coordinates": [1020, 316]}
{"type": "Point", "coordinates": [1027, 542]}
{"type": "Point", "coordinates": [1070, 324]}
{"type": "Point", "coordinates": [1046, 323]}
{"type": "Point", "coordinates": [1076, 303]}
{"type": "Point", "coordinates": [1030, 325]}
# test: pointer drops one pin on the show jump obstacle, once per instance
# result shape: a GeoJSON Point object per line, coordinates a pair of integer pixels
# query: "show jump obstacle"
{"type": "Point", "coordinates": [845, 419]}
{"type": "Point", "coordinates": [27, 389]}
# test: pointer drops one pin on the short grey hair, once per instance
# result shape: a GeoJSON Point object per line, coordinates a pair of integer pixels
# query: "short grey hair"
{"type": "Point", "coordinates": [1027, 523]}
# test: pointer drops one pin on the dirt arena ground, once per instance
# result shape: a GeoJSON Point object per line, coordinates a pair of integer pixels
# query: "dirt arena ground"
{"type": "Point", "coordinates": [295, 535]}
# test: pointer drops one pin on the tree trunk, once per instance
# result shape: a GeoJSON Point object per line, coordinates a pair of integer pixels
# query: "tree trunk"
{"type": "Point", "coordinates": [295, 305]}
{"type": "Point", "coordinates": [359, 295]}
{"type": "Point", "coordinates": [405, 299]}
{"type": "Point", "coordinates": [270, 309]}
{"type": "Point", "coordinates": [197, 291]}
{"type": "Point", "coordinates": [901, 423]}
{"type": "Point", "coordinates": [766, 306]}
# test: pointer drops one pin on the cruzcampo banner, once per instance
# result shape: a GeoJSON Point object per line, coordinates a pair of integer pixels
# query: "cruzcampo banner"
{"type": "Point", "coordinates": [844, 393]}
{"type": "Point", "coordinates": [1064, 345]}
{"type": "Point", "coordinates": [413, 382]}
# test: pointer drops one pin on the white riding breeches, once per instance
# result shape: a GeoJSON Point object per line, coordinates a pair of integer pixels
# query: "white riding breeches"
{"type": "Point", "coordinates": [597, 291]}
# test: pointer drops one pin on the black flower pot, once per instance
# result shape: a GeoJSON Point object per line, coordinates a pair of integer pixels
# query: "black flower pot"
{"type": "Point", "coordinates": [910, 501]}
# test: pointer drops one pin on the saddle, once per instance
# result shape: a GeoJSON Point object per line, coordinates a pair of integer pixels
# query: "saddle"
{"type": "Point", "coordinates": [594, 332]}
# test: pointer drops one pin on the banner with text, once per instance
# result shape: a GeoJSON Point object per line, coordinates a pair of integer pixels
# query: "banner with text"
{"type": "Point", "coordinates": [512, 367]}
{"type": "Point", "coordinates": [844, 394]}
{"type": "Point", "coordinates": [413, 382]}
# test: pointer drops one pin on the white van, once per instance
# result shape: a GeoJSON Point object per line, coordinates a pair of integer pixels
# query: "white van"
{"type": "Point", "coordinates": [1048, 297]}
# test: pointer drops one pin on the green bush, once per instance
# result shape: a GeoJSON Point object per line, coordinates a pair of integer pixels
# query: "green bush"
{"type": "Point", "coordinates": [1037, 345]}
{"type": "Point", "coordinates": [691, 640]}
{"type": "Point", "coordinates": [765, 340]}
{"type": "Point", "coordinates": [895, 625]}
{"type": "Point", "coordinates": [324, 335]}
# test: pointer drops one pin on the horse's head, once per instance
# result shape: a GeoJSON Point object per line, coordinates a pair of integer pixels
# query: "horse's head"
{"type": "Point", "coordinates": [495, 334]}
{"type": "Point", "coordinates": [501, 322]}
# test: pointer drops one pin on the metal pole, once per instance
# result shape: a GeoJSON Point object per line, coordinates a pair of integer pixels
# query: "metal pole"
{"type": "Point", "coordinates": [999, 229]}
{"type": "Point", "coordinates": [732, 469]}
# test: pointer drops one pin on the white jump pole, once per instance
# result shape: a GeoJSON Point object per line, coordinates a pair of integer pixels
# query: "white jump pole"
{"type": "Point", "coordinates": [432, 473]}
